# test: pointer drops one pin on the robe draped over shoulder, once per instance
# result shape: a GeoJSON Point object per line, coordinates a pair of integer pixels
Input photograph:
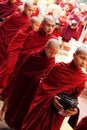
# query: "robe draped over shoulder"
{"type": "Point", "coordinates": [9, 28]}
{"type": "Point", "coordinates": [12, 54]}
{"type": "Point", "coordinates": [22, 88]}
{"type": "Point", "coordinates": [42, 115]}
{"type": "Point", "coordinates": [6, 8]}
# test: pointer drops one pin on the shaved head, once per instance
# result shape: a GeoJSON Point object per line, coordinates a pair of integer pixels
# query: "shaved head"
{"type": "Point", "coordinates": [35, 19]}
{"type": "Point", "coordinates": [81, 49]}
{"type": "Point", "coordinates": [48, 25]}
{"type": "Point", "coordinates": [52, 43]}
{"type": "Point", "coordinates": [47, 19]}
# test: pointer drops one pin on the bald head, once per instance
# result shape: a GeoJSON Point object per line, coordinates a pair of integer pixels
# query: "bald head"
{"type": "Point", "coordinates": [28, 8]}
{"type": "Point", "coordinates": [81, 49]}
{"type": "Point", "coordinates": [35, 19]}
{"type": "Point", "coordinates": [48, 25]}
{"type": "Point", "coordinates": [80, 57]}
{"type": "Point", "coordinates": [47, 19]}
{"type": "Point", "coordinates": [53, 43]}
{"type": "Point", "coordinates": [51, 48]}
{"type": "Point", "coordinates": [28, 4]}
{"type": "Point", "coordinates": [35, 23]}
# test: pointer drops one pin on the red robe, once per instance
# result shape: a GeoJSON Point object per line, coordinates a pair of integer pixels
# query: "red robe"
{"type": "Point", "coordinates": [34, 41]}
{"type": "Point", "coordinates": [7, 8]}
{"type": "Point", "coordinates": [9, 28]}
{"type": "Point", "coordinates": [36, 11]}
{"type": "Point", "coordinates": [85, 38]}
{"type": "Point", "coordinates": [11, 57]}
{"type": "Point", "coordinates": [78, 19]}
{"type": "Point", "coordinates": [82, 125]}
{"type": "Point", "coordinates": [42, 115]}
{"type": "Point", "coordinates": [24, 86]}
{"type": "Point", "coordinates": [69, 33]}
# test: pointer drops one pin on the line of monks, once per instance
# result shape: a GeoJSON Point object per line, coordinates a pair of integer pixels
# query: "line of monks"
{"type": "Point", "coordinates": [30, 80]}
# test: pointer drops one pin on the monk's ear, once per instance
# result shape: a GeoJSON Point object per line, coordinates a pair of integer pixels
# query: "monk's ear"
{"type": "Point", "coordinates": [74, 54]}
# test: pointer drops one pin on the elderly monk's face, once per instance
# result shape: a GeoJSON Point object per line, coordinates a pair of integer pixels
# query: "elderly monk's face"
{"type": "Point", "coordinates": [80, 60]}
{"type": "Point", "coordinates": [48, 27]}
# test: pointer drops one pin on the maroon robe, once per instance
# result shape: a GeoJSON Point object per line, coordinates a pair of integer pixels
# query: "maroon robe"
{"type": "Point", "coordinates": [42, 115]}
{"type": "Point", "coordinates": [9, 28]}
{"type": "Point", "coordinates": [82, 125]}
{"type": "Point", "coordinates": [33, 42]}
{"type": "Point", "coordinates": [11, 57]}
{"type": "Point", "coordinates": [71, 17]}
{"type": "Point", "coordinates": [24, 86]}
{"type": "Point", "coordinates": [69, 33]}
{"type": "Point", "coordinates": [7, 8]}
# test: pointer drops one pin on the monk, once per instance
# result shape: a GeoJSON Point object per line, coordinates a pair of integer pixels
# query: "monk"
{"type": "Point", "coordinates": [36, 40]}
{"type": "Point", "coordinates": [82, 125]}
{"type": "Point", "coordinates": [8, 29]}
{"type": "Point", "coordinates": [8, 7]}
{"type": "Point", "coordinates": [69, 32]}
{"type": "Point", "coordinates": [13, 50]}
{"type": "Point", "coordinates": [45, 112]}
{"type": "Point", "coordinates": [25, 83]}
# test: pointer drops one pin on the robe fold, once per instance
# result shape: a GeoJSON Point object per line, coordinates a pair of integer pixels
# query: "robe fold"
{"type": "Point", "coordinates": [9, 28]}
{"type": "Point", "coordinates": [69, 33]}
{"type": "Point", "coordinates": [33, 42]}
{"type": "Point", "coordinates": [42, 115]}
{"type": "Point", "coordinates": [9, 62]}
{"type": "Point", "coordinates": [23, 87]}
{"type": "Point", "coordinates": [7, 8]}
{"type": "Point", "coordinates": [82, 125]}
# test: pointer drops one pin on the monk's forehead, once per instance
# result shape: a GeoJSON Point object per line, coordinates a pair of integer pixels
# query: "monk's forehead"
{"type": "Point", "coordinates": [81, 49]}
{"type": "Point", "coordinates": [50, 21]}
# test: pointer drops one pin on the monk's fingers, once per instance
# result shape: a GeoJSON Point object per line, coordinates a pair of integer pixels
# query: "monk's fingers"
{"type": "Point", "coordinates": [56, 103]}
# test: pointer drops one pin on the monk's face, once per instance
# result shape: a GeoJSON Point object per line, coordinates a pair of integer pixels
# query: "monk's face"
{"type": "Point", "coordinates": [51, 52]}
{"type": "Point", "coordinates": [48, 27]}
{"type": "Point", "coordinates": [28, 10]}
{"type": "Point", "coordinates": [80, 60]}
{"type": "Point", "coordinates": [35, 26]}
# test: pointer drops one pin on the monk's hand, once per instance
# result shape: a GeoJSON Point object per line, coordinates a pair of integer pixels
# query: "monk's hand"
{"type": "Point", "coordinates": [57, 104]}
{"type": "Point", "coordinates": [68, 112]}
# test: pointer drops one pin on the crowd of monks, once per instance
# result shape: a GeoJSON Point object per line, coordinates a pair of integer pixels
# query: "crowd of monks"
{"type": "Point", "coordinates": [29, 77]}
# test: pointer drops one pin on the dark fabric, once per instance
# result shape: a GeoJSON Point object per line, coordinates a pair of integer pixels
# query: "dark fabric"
{"type": "Point", "coordinates": [74, 119]}
{"type": "Point", "coordinates": [82, 125]}
{"type": "Point", "coordinates": [22, 89]}
{"type": "Point", "coordinates": [62, 77]}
